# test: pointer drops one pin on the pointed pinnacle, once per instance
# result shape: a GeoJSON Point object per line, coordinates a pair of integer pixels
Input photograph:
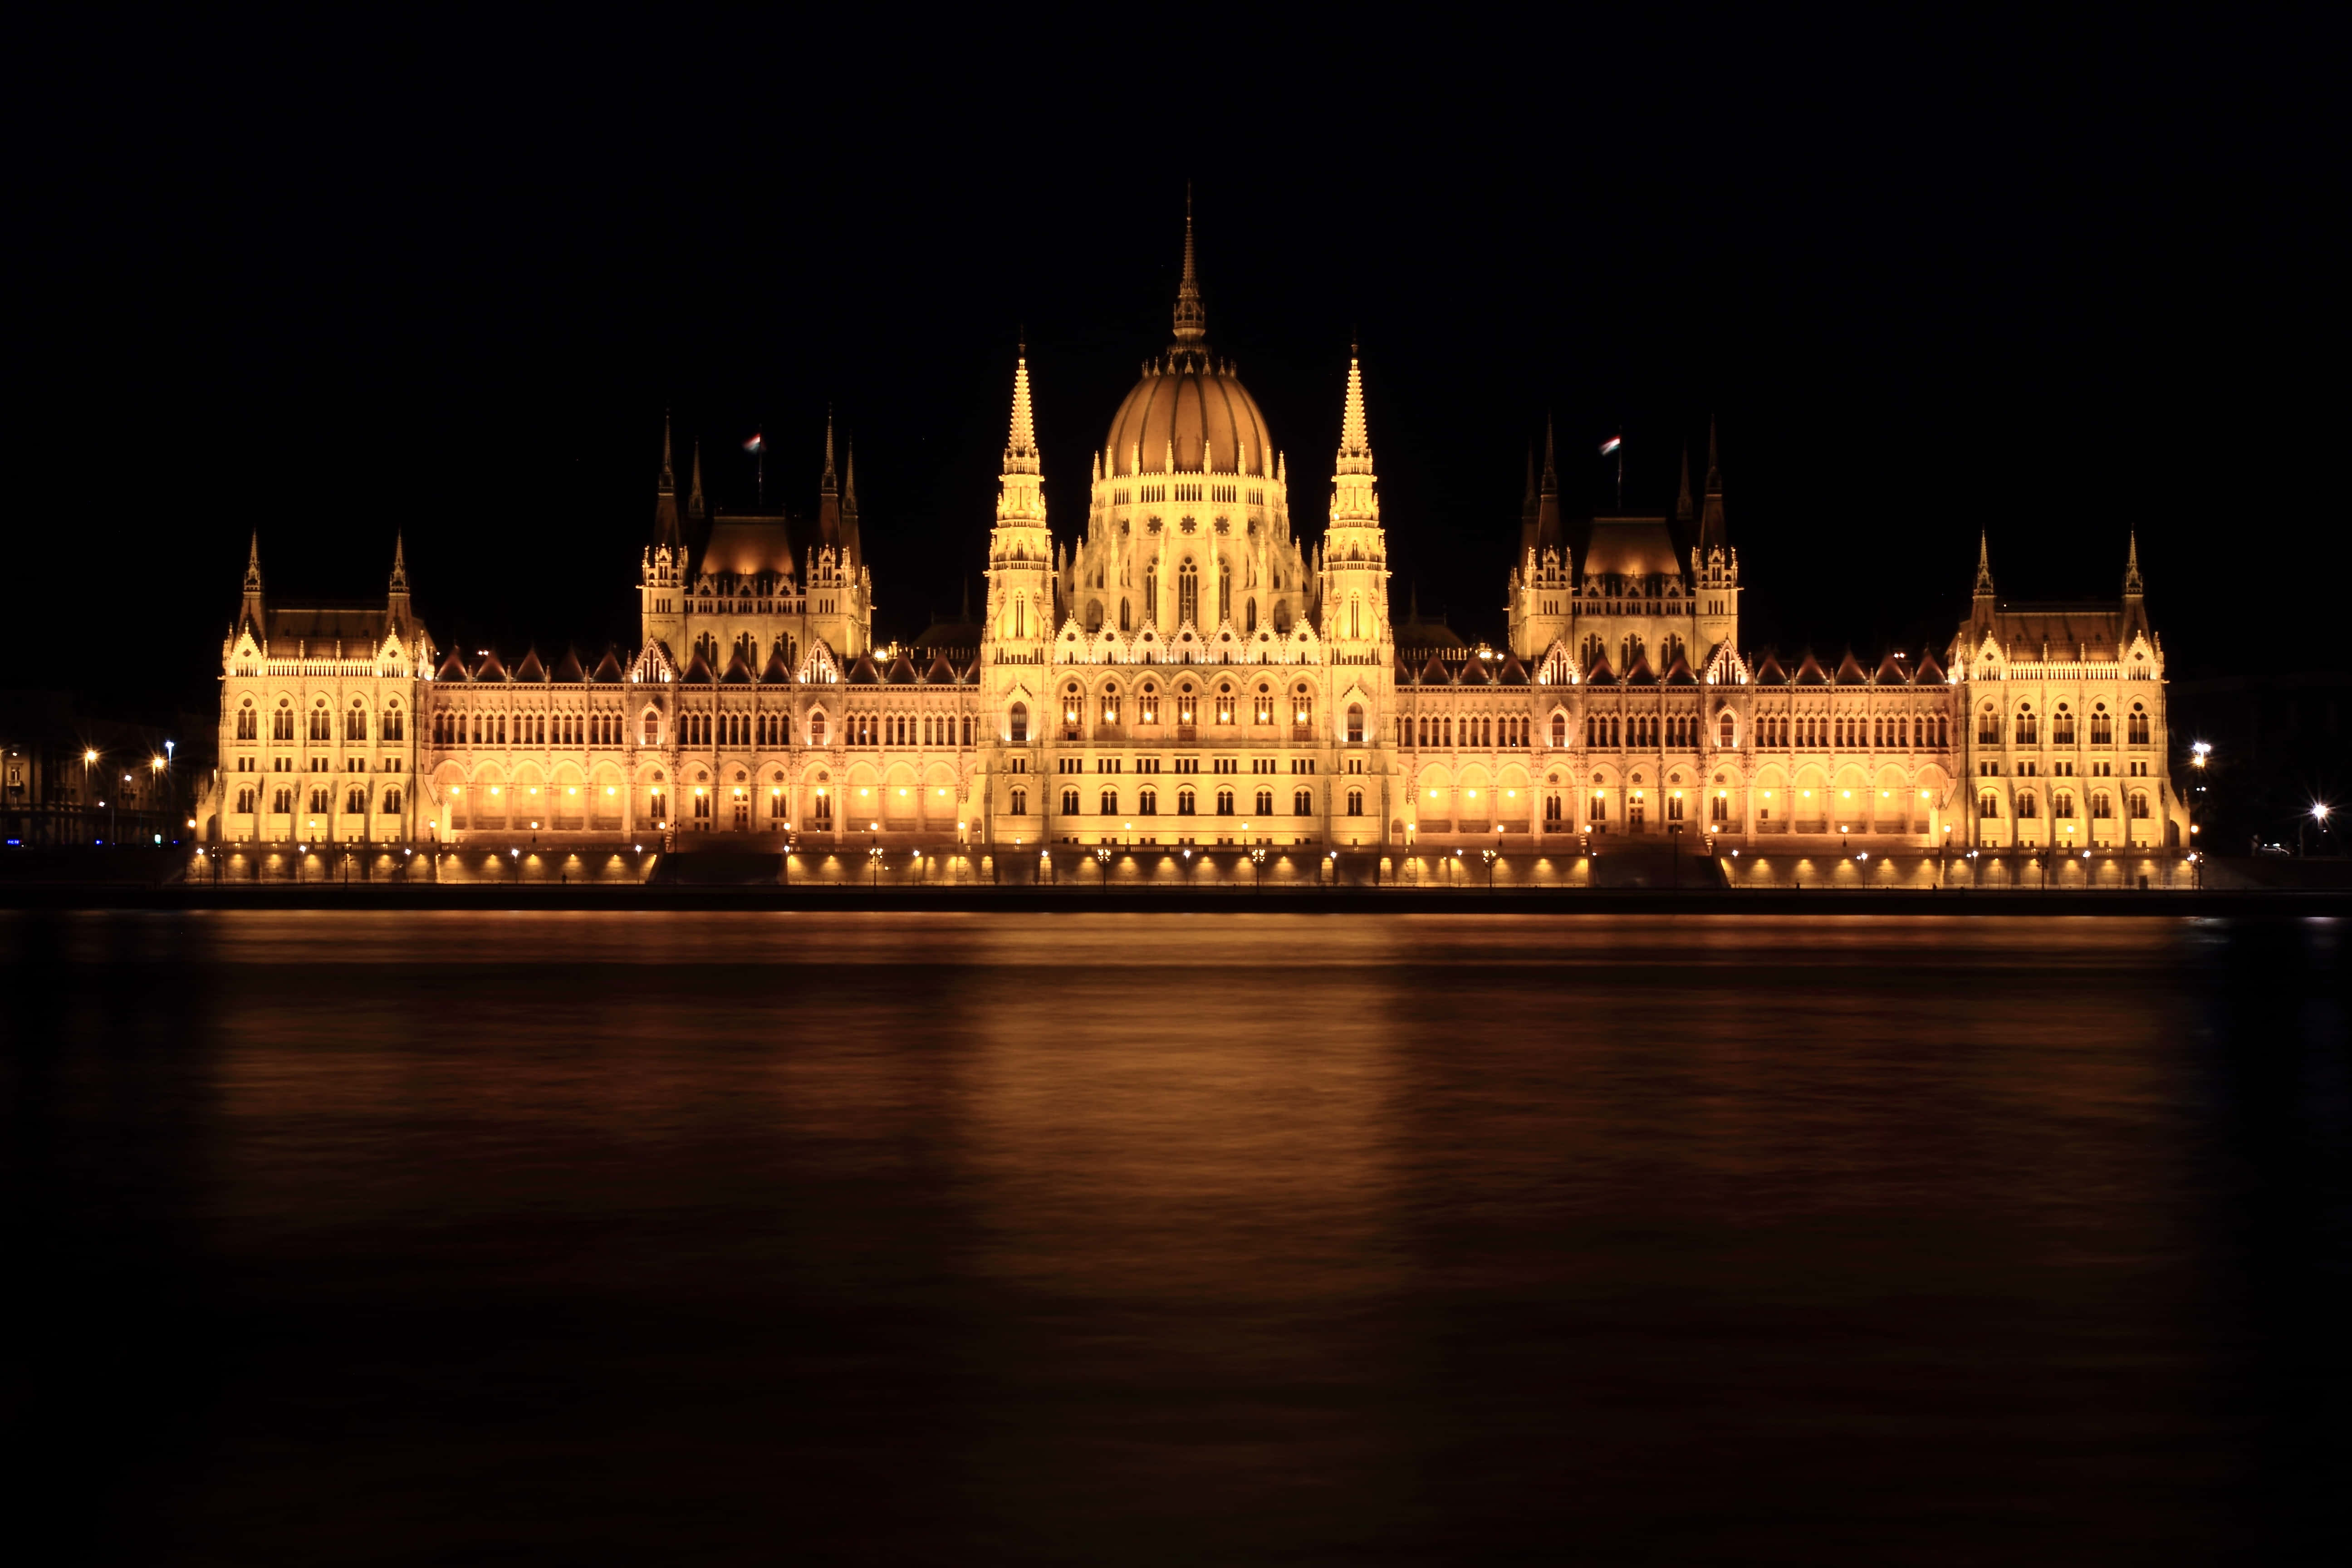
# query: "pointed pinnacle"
{"type": "Point", "coordinates": [1551, 468]}
{"type": "Point", "coordinates": [830, 484]}
{"type": "Point", "coordinates": [669, 479]}
{"type": "Point", "coordinates": [1714, 469]}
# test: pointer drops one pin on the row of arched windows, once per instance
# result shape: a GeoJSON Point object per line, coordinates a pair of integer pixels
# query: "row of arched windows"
{"type": "Point", "coordinates": [1147, 801]}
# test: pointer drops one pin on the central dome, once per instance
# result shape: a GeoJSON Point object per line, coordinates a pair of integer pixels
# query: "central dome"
{"type": "Point", "coordinates": [1199, 405]}
{"type": "Point", "coordinates": [1190, 410]}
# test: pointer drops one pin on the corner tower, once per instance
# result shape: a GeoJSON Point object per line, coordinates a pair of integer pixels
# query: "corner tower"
{"type": "Point", "coordinates": [1715, 565]}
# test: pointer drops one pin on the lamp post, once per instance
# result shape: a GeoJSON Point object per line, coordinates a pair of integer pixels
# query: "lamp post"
{"type": "Point", "coordinates": [1258, 858]}
{"type": "Point", "coordinates": [1102, 864]}
{"type": "Point", "coordinates": [1674, 844]}
{"type": "Point", "coordinates": [2318, 813]}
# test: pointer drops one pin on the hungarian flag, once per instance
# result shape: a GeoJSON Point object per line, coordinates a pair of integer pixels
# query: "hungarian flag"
{"type": "Point", "coordinates": [1610, 444]}
{"type": "Point", "coordinates": [758, 443]}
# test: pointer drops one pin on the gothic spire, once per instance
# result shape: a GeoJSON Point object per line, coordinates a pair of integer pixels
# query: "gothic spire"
{"type": "Point", "coordinates": [1712, 536]}
{"type": "Point", "coordinates": [399, 564]}
{"type": "Point", "coordinates": [1548, 535]}
{"type": "Point", "coordinates": [1021, 444]}
{"type": "Point", "coordinates": [829, 484]}
{"type": "Point", "coordinates": [849, 483]}
{"type": "Point", "coordinates": [1191, 320]}
{"type": "Point", "coordinates": [694, 507]}
{"type": "Point", "coordinates": [1683, 509]}
{"type": "Point", "coordinates": [1984, 589]}
{"type": "Point", "coordinates": [666, 529]}
{"type": "Point", "coordinates": [1354, 441]}
{"type": "Point", "coordinates": [669, 479]}
{"type": "Point", "coordinates": [2133, 587]}
{"type": "Point", "coordinates": [253, 564]}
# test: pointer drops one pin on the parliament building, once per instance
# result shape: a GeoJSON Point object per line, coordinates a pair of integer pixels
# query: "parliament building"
{"type": "Point", "coordinates": [1188, 668]}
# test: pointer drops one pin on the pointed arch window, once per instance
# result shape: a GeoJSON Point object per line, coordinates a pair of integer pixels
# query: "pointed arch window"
{"type": "Point", "coordinates": [1188, 593]}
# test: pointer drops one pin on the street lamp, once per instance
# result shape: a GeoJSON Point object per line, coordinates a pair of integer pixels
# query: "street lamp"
{"type": "Point", "coordinates": [2318, 813]}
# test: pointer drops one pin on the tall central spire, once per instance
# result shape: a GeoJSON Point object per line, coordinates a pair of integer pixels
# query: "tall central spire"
{"type": "Point", "coordinates": [1191, 320]}
{"type": "Point", "coordinates": [1021, 446]}
{"type": "Point", "coordinates": [1354, 441]}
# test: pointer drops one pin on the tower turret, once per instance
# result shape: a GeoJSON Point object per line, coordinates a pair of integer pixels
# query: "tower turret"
{"type": "Point", "coordinates": [1715, 580]}
{"type": "Point", "coordinates": [661, 573]}
{"type": "Point", "coordinates": [1354, 558]}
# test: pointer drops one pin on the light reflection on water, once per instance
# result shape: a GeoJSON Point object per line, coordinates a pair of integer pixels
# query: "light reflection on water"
{"type": "Point", "coordinates": [1175, 1238]}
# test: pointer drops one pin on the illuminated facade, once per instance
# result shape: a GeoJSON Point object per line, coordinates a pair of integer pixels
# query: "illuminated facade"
{"type": "Point", "coordinates": [1188, 671]}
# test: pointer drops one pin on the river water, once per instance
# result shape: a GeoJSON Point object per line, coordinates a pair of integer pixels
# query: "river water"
{"type": "Point", "coordinates": [397, 1237]}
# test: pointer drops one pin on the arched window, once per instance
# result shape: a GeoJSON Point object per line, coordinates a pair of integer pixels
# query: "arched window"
{"type": "Point", "coordinates": [1147, 801]}
{"type": "Point", "coordinates": [1123, 625]}
{"type": "Point", "coordinates": [650, 729]}
{"type": "Point", "coordinates": [2136, 725]}
{"type": "Point", "coordinates": [1302, 706]}
{"type": "Point", "coordinates": [2027, 806]}
{"type": "Point", "coordinates": [2103, 727]}
{"type": "Point", "coordinates": [2061, 727]}
{"type": "Point", "coordinates": [1225, 592]}
{"type": "Point", "coordinates": [1016, 724]}
{"type": "Point", "coordinates": [1988, 805]}
{"type": "Point", "coordinates": [2029, 728]}
{"type": "Point", "coordinates": [1188, 593]}
{"type": "Point", "coordinates": [1225, 803]}
{"type": "Point", "coordinates": [1070, 801]}
{"type": "Point", "coordinates": [1725, 731]}
{"type": "Point", "coordinates": [1988, 726]}
{"type": "Point", "coordinates": [1552, 807]}
{"type": "Point", "coordinates": [1249, 614]}
{"type": "Point", "coordinates": [282, 723]}
{"type": "Point", "coordinates": [2062, 805]}
{"type": "Point", "coordinates": [2138, 808]}
{"type": "Point", "coordinates": [1151, 593]}
{"type": "Point", "coordinates": [1355, 723]}
{"type": "Point", "coordinates": [1020, 802]}
{"type": "Point", "coordinates": [1184, 801]}
{"type": "Point", "coordinates": [2103, 807]}
{"type": "Point", "coordinates": [1302, 803]}
{"type": "Point", "coordinates": [1718, 808]}
{"type": "Point", "coordinates": [1355, 803]}
{"type": "Point", "coordinates": [1110, 803]}
{"type": "Point", "coordinates": [249, 722]}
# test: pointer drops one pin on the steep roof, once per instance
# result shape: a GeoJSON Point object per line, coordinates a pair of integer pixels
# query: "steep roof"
{"type": "Point", "coordinates": [609, 667]}
{"type": "Point", "coordinates": [567, 669]}
{"type": "Point", "coordinates": [749, 545]}
{"type": "Point", "coordinates": [1850, 671]}
{"type": "Point", "coordinates": [1811, 673]}
{"type": "Point", "coordinates": [1631, 547]}
{"type": "Point", "coordinates": [531, 668]}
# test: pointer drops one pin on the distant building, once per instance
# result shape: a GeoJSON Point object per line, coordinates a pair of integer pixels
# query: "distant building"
{"type": "Point", "coordinates": [1187, 670]}
{"type": "Point", "coordinates": [67, 777]}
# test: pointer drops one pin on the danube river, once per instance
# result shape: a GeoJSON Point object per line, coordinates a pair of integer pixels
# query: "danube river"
{"type": "Point", "coordinates": [404, 1237]}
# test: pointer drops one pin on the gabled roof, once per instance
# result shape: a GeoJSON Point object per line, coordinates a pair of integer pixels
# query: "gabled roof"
{"type": "Point", "coordinates": [1641, 674]}
{"type": "Point", "coordinates": [941, 672]}
{"type": "Point", "coordinates": [1811, 673]}
{"type": "Point", "coordinates": [1930, 669]}
{"type": "Point", "coordinates": [776, 672]}
{"type": "Point", "coordinates": [490, 668]}
{"type": "Point", "coordinates": [1850, 671]}
{"type": "Point", "coordinates": [1891, 671]}
{"type": "Point", "coordinates": [452, 668]}
{"type": "Point", "coordinates": [531, 668]}
{"type": "Point", "coordinates": [1475, 672]}
{"type": "Point", "coordinates": [901, 672]}
{"type": "Point", "coordinates": [1513, 672]}
{"type": "Point", "coordinates": [862, 671]}
{"type": "Point", "coordinates": [567, 668]}
{"type": "Point", "coordinates": [1768, 671]}
{"type": "Point", "coordinates": [1679, 672]}
{"type": "Point", "coordinates": [1601, 674]}
{"type": "Point", "coordinates": [1434, 673]}
{"type": "Point", "coordinates": [699, 673]}
{"type": "Point", "coordinates": [608, 668]}
{"type": "Point", "coordinates": [739, 670]}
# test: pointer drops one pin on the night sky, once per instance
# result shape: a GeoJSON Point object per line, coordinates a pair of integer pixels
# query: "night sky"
{"type": "Point", "coordinates": [330, 285]}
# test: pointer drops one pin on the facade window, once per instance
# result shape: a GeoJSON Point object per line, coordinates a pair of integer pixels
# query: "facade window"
{"type": "Point", "coordinates": [2062, 727]}
{"type": "Point", "coordinates": [1989, 805]}
{"type": "Point", "coordinates": [1600, 806]}
{"type": "Point", "coordinates": [1988, 727]}
{"type": "Point", "coordinates": [1264, 803]}
{"type": "Point", "coordinates": [356, 801]}
{"type": "Point", "coordinates": [1184, 802]}
{"type": "Point", "coordinates": [1718, 809]}
{"type": "Point", "coordinates": [2103, 807]}
{"type": "Point", "coordinates": [1110, 803]}
{"type": "Point", "coordinates": [1016, 725]}
{"type": "Point", "coordinates": [1224, 705]}
{"type": "Point", "coordinates": [2103, 729]}
{"type": "Point", "coordinates": [249, 722]}
{"type": "Point", "coordinates": [2139, 807]}
{"type": "Point", "coordinates": [2136, 725]}
{"type": "Point", "coordinates": [1147, 801]}
{"type": "Point", "coordinates": [1020, 802]}
{"type": "Point", "coordinates": [1265, 707]}
{"type": "Point", "coordinates": [1147, 704]}
{"type": "Point", "coordinates": [1725, 731]}
{"type": "Point", "coordinates": [1070, 802]}
{"type": "Point", "coordinates": [1225, 803]}
{"type": "Point", "coordinates": [2062, 805]}
{"type": "Point", "coordinates": [1302, 707]}
{"type": "Point", "coordinates": [1302, 803]}
{"type": "Point", "coordinates": [282, 723]}
{"type": "Point", "coordinates": [1674, 808]}
{"type": "Point", "coordinates": [1355, 803]}
{"type": "Point", "coordinates": [1355, 723]}
{"type": "Point", "coordinates": [2029, 728]}
{"type": "Point", "coordinates": [1188, 593]}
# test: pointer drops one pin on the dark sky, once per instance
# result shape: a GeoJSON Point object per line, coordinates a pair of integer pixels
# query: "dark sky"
{"type": "Point", "coordinates": [332, 284]}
